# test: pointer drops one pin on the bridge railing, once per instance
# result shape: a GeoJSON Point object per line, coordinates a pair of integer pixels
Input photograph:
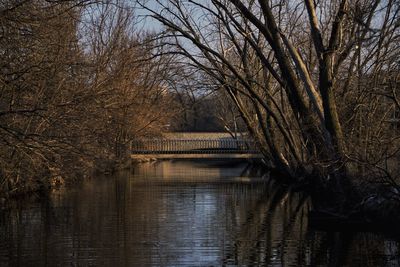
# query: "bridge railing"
{"type": "Point", "coordinates": [193, 146]}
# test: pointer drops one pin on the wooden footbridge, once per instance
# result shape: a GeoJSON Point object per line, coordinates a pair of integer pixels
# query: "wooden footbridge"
{"type": "Point", "coordinates": [223, 148]}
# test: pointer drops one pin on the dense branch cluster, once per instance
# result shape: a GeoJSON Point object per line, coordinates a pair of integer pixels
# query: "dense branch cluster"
{"type": "Point", "coordinates": [77, 83]}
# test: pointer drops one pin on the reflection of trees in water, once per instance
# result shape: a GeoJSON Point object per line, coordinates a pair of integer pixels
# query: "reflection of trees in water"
{"type": "Point", "coordinates": [122, 222]}
{"type": "Point", "coordinates": [277, 217]}
{"type": "Point", "coordinates": [276, 232]}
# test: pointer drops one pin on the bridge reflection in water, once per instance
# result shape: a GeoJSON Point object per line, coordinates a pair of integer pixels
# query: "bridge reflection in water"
{"type": "Point", "coordinates": [195, 148]}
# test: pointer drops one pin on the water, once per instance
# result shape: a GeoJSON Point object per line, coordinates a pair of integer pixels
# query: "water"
{"type": "Point", "coordinates": [181, 214]}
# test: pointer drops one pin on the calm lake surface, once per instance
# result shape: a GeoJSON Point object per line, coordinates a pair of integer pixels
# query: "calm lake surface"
{"type": "Point", "coordinates": [181, 214]}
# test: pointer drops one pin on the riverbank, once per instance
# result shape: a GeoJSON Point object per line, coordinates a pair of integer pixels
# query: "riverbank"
{"type": "Point", "coordinates": [48, 179]}
{"type": "Point", "coordinates": [358, 204]}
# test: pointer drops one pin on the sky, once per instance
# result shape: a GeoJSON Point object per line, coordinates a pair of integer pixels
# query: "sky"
{"type": "Point", "coordinates": [146, 23]}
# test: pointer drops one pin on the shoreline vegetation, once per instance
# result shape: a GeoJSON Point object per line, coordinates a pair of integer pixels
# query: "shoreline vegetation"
{"type": "Point", "coordinates": [315, 84]}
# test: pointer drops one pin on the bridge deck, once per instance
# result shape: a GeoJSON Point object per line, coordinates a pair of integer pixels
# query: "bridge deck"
{"type": "Point", "coordinates": [198, 156]}
{"type": "Point", "coordinates": [194, 148]}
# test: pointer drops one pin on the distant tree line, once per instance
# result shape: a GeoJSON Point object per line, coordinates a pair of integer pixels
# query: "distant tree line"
{"type": "Point", "coordinates": [205, 114]}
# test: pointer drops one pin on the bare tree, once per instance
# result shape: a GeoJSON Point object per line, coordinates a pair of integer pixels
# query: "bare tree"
{"type": "Point", "coordinates": [292, 68]}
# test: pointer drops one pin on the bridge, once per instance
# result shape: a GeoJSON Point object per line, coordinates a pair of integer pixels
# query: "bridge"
{"type": "Point", "coordinates": [223, 148]}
